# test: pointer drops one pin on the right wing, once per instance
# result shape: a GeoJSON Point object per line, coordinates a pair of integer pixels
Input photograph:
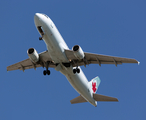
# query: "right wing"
{"type": "Point", "coordinates": [91, 58]}
{"type": "Point", "coordinates": [28, 64]}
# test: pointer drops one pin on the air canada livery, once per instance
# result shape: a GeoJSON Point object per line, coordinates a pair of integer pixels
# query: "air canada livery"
{"type": "Point", "coordinates": [67, 61]}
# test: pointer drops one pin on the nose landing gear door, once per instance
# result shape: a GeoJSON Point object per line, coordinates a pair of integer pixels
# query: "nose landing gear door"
{"type": "Point", "coordinates": [40, 29]}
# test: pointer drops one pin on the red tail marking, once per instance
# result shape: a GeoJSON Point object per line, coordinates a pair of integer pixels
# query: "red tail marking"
{"type": "Point", "coordinates": [94, 87]}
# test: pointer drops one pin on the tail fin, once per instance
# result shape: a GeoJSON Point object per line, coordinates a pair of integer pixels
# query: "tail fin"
{"type": "Point", "coordinates": [94, 84]}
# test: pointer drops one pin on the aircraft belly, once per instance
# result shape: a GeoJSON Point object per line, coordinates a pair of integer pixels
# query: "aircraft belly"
{"type": "Point", "coordinates": [55, 45]}
{"type": "Point", "coordinates": [56, 48]}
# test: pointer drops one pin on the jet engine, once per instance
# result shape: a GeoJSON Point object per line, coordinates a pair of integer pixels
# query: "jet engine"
{"type": "Point", "coordinates": [33, 55]}
{"type": "Point", "coordinates": [78, 52]}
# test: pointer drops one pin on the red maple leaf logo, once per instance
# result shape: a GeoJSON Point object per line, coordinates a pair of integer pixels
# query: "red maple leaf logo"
{"type": "Point", "coordinates": [94, 87]}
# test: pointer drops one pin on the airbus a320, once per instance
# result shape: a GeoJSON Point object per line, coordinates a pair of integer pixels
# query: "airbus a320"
{"type": "Point", "coordinates": [67, 61]}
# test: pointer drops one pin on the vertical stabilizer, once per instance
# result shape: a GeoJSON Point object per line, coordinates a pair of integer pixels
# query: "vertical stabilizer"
{"type": "Point", "coordinates": [94, 84]}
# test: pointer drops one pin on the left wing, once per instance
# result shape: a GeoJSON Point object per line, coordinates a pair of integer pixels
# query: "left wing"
{"type": "Point", "coordinates": [28, 64]}
{"type": "Point", "coordinates": [91, 58]}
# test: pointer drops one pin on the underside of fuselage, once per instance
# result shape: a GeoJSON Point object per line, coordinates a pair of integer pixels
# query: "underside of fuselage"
{"type": "Point", "coordinates": [56, 49]}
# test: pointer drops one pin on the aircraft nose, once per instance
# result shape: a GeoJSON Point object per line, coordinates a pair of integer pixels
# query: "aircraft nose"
{"type": "Point", "coordinates": [37, 18]}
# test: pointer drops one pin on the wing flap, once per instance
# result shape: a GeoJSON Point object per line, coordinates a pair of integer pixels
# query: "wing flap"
{"type": "Point", "coordinates": [91, 58]}
{"type": "Point", "coordinates": [105, 59]}
{"type": "Point", "coordinates": [99, 97]}
{"type": "Point", "coordinates": [28, 64]}
{"type": "Point", "coordinates": [78, 99]}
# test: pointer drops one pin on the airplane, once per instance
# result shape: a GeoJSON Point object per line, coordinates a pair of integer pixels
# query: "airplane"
{"type": "Point", "coordinates": [68, 62]}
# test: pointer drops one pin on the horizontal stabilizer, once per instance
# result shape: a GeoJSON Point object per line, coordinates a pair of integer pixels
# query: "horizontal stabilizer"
{"type": "Point", "coordinates": [78, 99]}
{"type": "Point", "coordinates": [99, 97]}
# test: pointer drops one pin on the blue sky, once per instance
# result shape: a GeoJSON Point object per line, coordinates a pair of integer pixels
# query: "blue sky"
{"type": "Point", "coordinates": [112, 27]}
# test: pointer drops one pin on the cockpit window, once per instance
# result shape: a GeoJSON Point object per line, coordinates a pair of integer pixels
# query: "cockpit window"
{"type": "Point", "coordinates": [45, 15]}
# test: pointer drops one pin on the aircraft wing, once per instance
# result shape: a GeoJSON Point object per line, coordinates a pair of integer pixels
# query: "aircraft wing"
{"type": "Point", "coordinates": [91, 58]}
{"type": "Point", "coordinates": [28, 64]}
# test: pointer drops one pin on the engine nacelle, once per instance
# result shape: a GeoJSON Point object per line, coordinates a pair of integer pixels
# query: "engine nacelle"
{"type": "Point", "coordinates": [33, 55]}
{"type": "Point", "coordinates": [78, 52]}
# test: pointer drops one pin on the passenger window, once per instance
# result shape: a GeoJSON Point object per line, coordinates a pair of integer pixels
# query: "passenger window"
{"type": "Point", "coordinates": [52, 25]}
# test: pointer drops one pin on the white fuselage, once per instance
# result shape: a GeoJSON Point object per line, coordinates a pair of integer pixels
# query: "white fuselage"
{"type": "Point", "coordinates": [56, 48]}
